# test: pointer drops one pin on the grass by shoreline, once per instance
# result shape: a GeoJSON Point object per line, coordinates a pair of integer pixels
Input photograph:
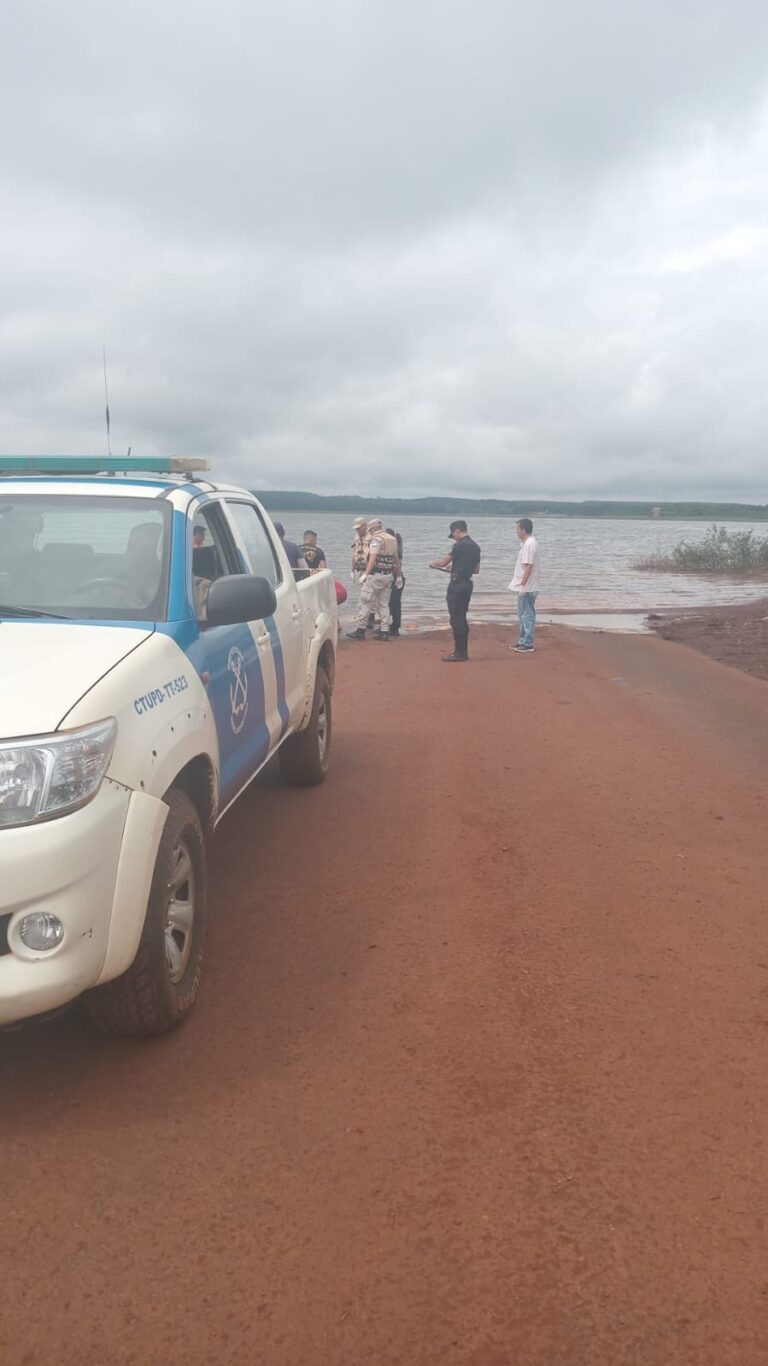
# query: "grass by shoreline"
{"type": "Point", "coordinates": [738, 554]}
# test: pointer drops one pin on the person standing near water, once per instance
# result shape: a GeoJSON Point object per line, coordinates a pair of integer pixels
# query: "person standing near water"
{"type": "Point", "coordinates": [381, 569]}
{"type": "Point", "coordinates": [295, 558]}
{"type": "Point", "coordinates": [360, 554]}
{"type": "Point", "coordinates": [463, 562]}
{"type": "Point", "coordinates": [313, 554]}
{"type": "Point", "coordinates": [359, 547]}
{"type": "Point", "coordinates": [396, 596]}
{"type": "Point", "coordinates": [525, 582]}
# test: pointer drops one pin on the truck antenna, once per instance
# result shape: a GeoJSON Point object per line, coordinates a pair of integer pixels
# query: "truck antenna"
{"type": "Point", "coordinates": [106, 395]}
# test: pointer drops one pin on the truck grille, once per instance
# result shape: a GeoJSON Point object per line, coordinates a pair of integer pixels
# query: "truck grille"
{"type": "Point", "coordinates": [5, 921]}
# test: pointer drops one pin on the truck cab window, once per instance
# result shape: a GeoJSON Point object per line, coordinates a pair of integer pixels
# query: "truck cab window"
{"type": "Point", "coordinates": [213, 555]}
{"type": "Point", "coordinates": [256, 543]}
{"type": "Point", "coordinates": [90, 558]}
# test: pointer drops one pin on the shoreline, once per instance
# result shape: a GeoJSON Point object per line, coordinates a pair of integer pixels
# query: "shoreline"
{"type": "Point", "coordinates": [735, 634]}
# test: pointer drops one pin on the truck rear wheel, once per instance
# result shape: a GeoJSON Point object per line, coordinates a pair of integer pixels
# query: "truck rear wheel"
{"type": "Point", "coordinates": [161, 985]}
{"type": "Point", "coordinates": [304, 758]}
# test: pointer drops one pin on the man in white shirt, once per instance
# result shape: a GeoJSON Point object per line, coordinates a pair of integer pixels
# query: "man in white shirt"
{"type": "Point", "coordinates": [526, 581]}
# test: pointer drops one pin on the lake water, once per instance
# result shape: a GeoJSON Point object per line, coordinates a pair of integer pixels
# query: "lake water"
{"type": "Point", "coordinates": [586, 565]}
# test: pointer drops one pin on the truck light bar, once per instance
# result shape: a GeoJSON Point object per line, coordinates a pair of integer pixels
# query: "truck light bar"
{"type": "Point", "coordinates": [99, 464]}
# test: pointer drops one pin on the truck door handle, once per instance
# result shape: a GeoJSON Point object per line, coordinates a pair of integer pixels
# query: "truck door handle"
{"type": "Point", "coordinates": [295, 611]}
{"type": "Point", "coordinates": [263, 639]}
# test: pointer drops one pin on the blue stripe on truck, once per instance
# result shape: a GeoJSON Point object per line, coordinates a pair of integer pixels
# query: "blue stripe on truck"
{"type": "Point", "coordinates": [277, 652]}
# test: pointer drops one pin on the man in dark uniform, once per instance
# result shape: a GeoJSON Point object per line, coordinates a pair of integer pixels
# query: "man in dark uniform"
{"type": "Point", "coordinates": [295, 558]}
{"type": "Point", "coordinates": [314, 556]}
{"type": "Point", "coordinates": [463, 562]}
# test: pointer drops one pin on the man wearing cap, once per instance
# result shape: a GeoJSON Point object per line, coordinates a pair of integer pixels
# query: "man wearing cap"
{"type": "Point", "coordinates": [360, 553]}
{"type": "Point", "coordinates": [359, 547]}
{"type": "Point", "coordinates": [381, 567]}
{"type": "Point", "coordinates": [463, 562]}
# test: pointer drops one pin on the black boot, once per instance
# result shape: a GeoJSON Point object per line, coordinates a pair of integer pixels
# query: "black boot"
{"type": "Point", "coordinates": [356, 635]}
{"type": "Point", "coordinates": [455, 658]}
{"type": "Point", "coordinates": [381, 635]}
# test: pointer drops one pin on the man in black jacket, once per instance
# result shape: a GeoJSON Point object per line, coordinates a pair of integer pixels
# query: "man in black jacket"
{"type": "Point", "coordinates": [463, 562]}
{"type": "Point", "coordinates": [295, 558]}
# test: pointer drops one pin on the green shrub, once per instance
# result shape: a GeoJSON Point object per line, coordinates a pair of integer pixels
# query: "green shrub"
{"type": "Point", "coordinates": [720, 552]}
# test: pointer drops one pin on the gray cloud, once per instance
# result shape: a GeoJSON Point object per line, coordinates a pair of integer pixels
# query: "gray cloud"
{"type": "Point", "coordinates": [487, 249]}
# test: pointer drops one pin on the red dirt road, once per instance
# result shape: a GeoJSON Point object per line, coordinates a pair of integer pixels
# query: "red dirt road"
{"type": "Point", "coordinates": [479, 1076]}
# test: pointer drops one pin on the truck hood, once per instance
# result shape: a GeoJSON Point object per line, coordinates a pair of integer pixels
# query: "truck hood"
{"type": "Point", "coordinates": [47, 666]}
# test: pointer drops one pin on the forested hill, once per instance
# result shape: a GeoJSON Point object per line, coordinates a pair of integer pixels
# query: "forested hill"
{"type": "Point", "coordinates": [278, 500]}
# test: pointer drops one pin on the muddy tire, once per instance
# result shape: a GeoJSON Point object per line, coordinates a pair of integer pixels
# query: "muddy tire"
{"type": "Point", "coordinates": [304, 757]}
{"type": "Point", "coordinates": [161, 985]}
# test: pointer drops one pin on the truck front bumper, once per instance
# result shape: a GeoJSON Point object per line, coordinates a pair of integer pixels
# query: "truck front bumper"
{"type": "Point", "coordinates": [90, 870]}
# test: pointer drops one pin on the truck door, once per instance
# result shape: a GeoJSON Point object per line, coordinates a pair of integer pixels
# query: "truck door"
{"type": "Point", "coordinates": [227, 658]}
{"type": "Point", "coordinates": [281, 638]}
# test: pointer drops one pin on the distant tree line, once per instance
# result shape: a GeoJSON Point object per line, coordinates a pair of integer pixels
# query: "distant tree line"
{"type": "Point", "coordinates": [284, 500]}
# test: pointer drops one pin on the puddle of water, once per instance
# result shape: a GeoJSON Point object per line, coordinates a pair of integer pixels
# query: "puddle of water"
{"type": "Point", "coordinates": [628, 622]}
{"type": "Point", "coordinates": [625, 622]}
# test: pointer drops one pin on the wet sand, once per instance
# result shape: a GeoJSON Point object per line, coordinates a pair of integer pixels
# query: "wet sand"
{"type": "Point", "coordinates": [479, 1076]}
{"type": "Point", "coordinates": [734, 635]}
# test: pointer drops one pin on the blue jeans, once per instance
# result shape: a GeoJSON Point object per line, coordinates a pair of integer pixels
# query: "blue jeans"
{"type": "Point", "coordinates": [526, 612]}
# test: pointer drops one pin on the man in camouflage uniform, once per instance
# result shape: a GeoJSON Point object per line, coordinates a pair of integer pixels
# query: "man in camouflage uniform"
{"type": "Point", "coordinates": [359, 547]}
{"type": "Point", "coordinates": [376, 582]}
{"type": "Point", "coordinates": [360, 554]}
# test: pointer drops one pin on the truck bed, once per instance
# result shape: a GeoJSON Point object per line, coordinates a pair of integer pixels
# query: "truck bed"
{"type": "Point", "coordinates": [318, 595]}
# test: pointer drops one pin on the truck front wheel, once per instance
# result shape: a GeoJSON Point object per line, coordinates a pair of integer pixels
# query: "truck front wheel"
{"type": "Point", "coordinates": [304, 757]}
{"type": "Point", "coordinates": [161, 985]}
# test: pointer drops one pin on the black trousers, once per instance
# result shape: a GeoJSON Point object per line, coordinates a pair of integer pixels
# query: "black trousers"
{"type": "Point", "coordinates": [396, 607]}
{"type": "Point", "coordinates": [457, 597]}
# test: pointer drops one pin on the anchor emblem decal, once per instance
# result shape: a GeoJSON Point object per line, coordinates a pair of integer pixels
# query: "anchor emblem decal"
{"type": "Point", "coordinates": [238, 689]}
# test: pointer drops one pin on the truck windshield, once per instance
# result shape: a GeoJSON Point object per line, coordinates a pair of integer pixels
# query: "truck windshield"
{"type": "Point", "coordinates": [85, 558]}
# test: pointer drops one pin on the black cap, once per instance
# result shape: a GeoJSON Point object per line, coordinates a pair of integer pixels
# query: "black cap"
{"type": "Point", "coordinates": [457, 526]}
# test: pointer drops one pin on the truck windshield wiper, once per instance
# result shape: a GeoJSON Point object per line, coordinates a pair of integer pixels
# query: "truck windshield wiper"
{"type": "Point", "coordinates": [6, 610]}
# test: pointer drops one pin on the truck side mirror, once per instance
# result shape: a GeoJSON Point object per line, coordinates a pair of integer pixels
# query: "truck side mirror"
{"type": "Point", "coordinates": [238, 598]}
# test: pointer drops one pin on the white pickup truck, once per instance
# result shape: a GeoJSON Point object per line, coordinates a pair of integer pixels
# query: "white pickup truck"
{"type": "Point", "coordinates": [155, 652]}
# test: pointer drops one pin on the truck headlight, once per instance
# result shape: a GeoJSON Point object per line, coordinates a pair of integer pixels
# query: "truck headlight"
{"type": "Point", "coordinates": [53, 774]}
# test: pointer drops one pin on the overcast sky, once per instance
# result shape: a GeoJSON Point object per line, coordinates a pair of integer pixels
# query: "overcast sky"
{"type": "Point", "coordinates": [407, 247]}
